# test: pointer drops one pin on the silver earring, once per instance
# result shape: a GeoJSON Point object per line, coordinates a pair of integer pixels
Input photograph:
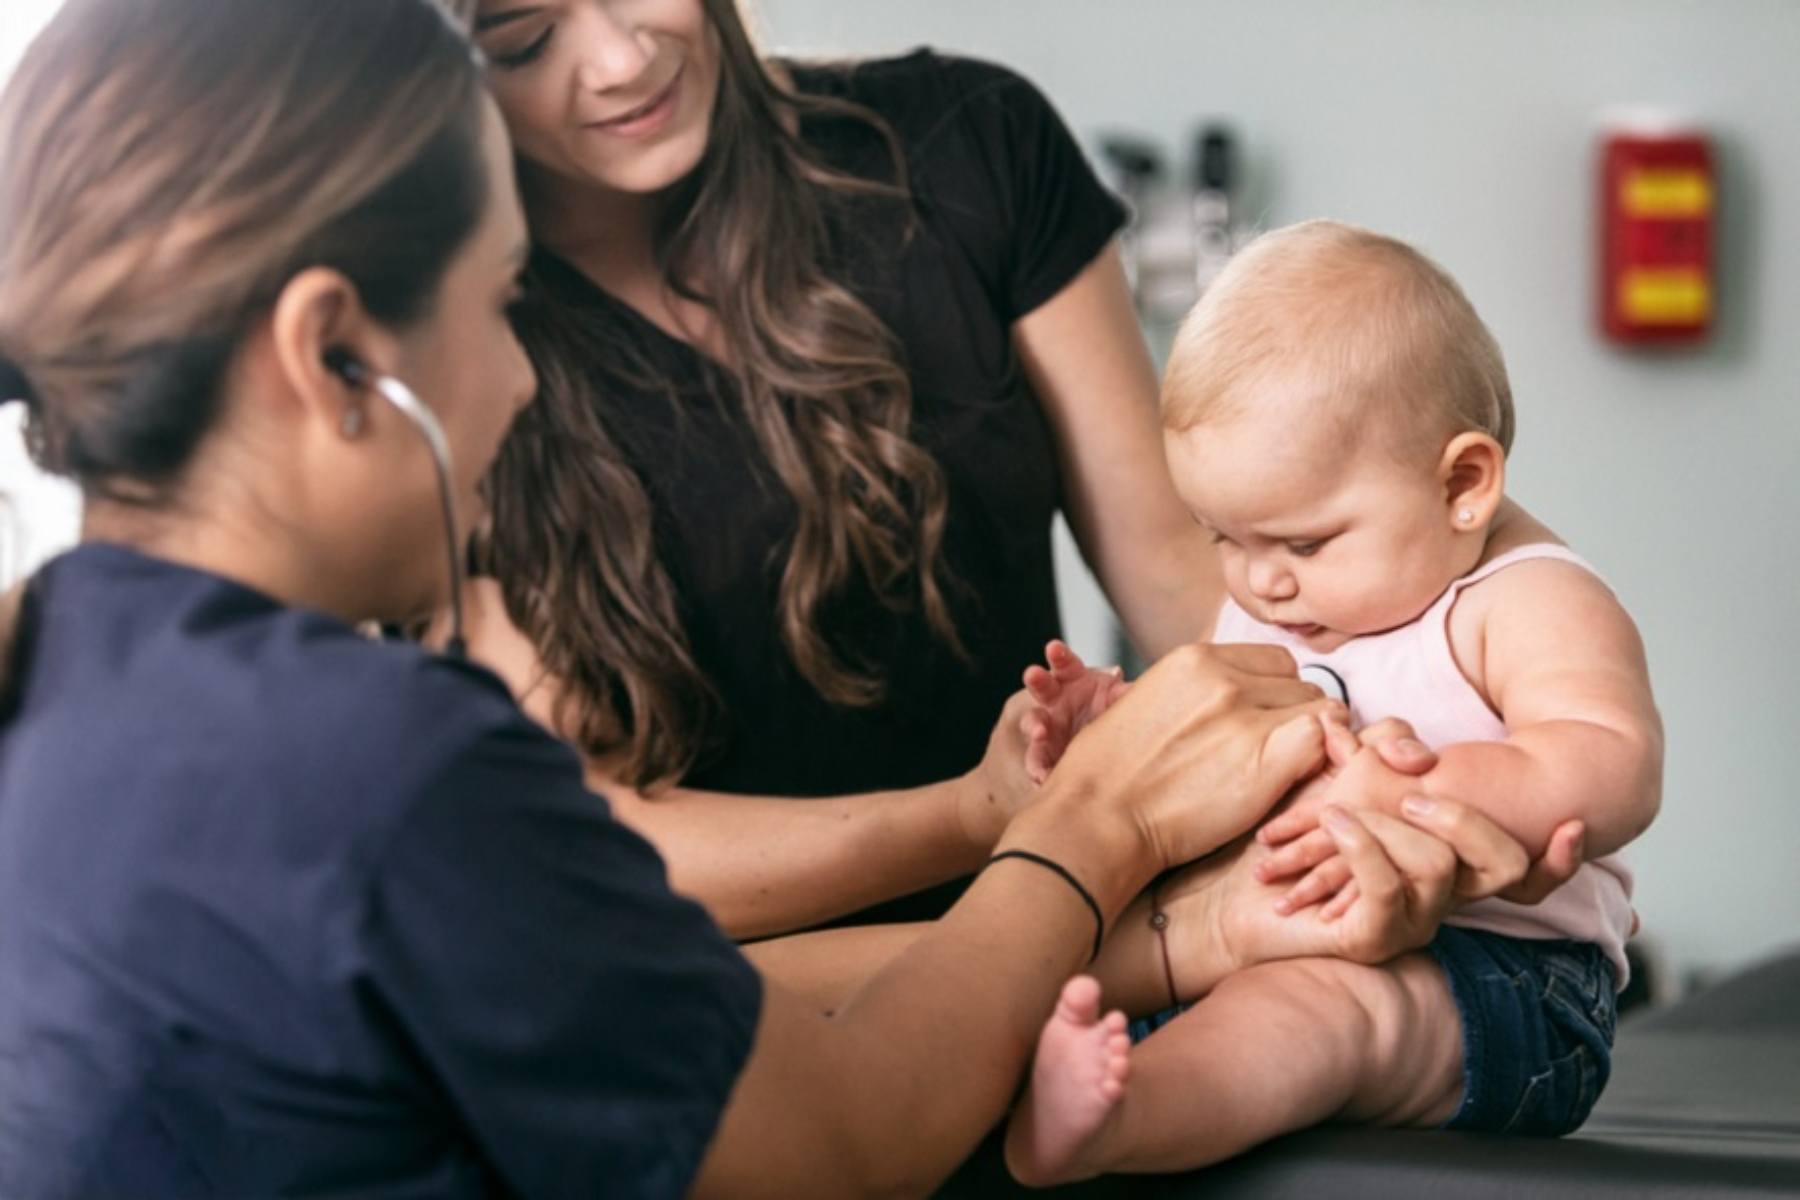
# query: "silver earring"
{"type": "Point", "coordinates": [352, 424]}
{"type": "Point", "coordinates": [1465, 515]}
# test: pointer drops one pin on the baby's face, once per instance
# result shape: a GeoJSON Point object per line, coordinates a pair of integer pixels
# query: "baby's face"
{"type": "Point", "coordinates": [1326, 541]}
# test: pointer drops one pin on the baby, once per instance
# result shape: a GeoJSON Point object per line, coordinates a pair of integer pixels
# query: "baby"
{"type": "Point", "coordinates": [1337, 419]}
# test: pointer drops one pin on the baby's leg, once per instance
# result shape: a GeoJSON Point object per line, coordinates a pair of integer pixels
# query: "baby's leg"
{"type": "Point", "coordinates": [1077, 1080]}
{"type": "Point", "coordinates": [1273, 1049]}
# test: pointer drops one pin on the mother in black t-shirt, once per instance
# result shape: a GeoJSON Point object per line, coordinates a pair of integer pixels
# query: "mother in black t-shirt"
{"type": "Point", "coordinates": [823, 351]}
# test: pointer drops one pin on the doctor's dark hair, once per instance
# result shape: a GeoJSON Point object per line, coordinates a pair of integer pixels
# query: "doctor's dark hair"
{"type": "Point", "coordinates": [818, 380]}
{"type": "Point", "coordinates": [166, 166]}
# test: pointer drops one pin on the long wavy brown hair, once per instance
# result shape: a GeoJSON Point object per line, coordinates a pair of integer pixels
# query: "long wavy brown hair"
{"type": "Point", "coordinates": [820, 384]}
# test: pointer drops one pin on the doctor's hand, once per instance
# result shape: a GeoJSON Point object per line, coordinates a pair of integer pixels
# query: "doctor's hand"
{"type": "Point", "coordinates": [1198, 749]}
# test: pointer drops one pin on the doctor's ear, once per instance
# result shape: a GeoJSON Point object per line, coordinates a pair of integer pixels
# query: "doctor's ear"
{"type": "Point", "coordinates": [1473, 468]}
{"type": "Point", "coordinates": [323, 339]}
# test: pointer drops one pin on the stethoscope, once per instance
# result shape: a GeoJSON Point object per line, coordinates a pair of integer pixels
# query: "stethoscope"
{"type": "Point", "coordinates": [1326, 680]}
{"type": "Point", "coordinates": [351, 370]}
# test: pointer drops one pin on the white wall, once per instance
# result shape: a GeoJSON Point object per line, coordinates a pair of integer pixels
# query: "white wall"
{"type": "Point", "coordinates": [38, 515]}
{"type": "Point", "coordinates": [1466, 126]}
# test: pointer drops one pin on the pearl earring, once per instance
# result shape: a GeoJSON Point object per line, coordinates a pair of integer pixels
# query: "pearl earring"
{"type": "Point", "coordinates": [1465, 515]}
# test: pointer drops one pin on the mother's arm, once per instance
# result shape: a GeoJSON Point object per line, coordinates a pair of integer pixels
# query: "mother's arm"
{"type": "Point", "coordinates": [764, 865]}
{"type": "Point", "coordinates": [1406, 875]}
{"type": "Point", "coordinates": [1085, 356]}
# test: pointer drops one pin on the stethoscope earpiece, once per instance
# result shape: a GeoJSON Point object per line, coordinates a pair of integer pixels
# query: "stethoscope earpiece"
{"type": "Point", "coordinates": [346, 366]}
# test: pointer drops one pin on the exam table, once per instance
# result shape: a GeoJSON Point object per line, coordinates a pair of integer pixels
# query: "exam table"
{"type": "Point", "coordinates": [1704, 1102]}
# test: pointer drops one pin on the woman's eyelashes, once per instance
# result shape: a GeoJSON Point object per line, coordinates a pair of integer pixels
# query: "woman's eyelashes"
{"type": "Point", "coordinates": [521, 300]}
{"type": "Point", "coordinates": [530, 52]}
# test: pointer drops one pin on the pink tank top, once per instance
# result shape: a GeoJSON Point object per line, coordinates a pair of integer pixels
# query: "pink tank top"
{"type": "Point", "coordinates": [1411, 673]}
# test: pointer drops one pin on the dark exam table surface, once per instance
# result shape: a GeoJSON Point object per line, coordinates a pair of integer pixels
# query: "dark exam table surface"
{"type": "Point", "coordinates": [1704, 1102]}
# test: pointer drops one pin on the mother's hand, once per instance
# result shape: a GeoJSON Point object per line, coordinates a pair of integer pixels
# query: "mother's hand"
{"type": "Point", "coordinates": [998, 786]}
{"type": "Point", "coordinates": [1491, 862]}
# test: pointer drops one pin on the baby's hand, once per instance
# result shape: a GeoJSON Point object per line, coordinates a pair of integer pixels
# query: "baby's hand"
{"type": "Point", "coordinates": [1070, 696]}
{"type": "Point", "coordinates": [1372, 772]}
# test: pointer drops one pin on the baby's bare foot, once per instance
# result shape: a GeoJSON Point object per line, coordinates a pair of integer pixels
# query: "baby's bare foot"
{"type": "Point", "coordinates": [1077, 1083]}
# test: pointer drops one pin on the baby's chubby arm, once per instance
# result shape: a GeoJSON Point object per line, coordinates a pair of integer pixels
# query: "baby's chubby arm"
{"type": "Point", "coordinates": [1562, 663]}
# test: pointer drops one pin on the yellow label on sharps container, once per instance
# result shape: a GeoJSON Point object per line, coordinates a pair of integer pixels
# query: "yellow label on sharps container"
{"type": "Point", "coordinates": [1663, 193]}
{"type": "Point", "coordinates": [1665, 296]}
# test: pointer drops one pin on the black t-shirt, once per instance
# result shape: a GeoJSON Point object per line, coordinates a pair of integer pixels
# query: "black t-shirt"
{"type": "Point", "coordinates": [286, 911]}
{"type": "Point", "coordinates": [1006, 212]}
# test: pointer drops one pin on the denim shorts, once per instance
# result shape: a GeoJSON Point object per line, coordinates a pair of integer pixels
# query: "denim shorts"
{"type": "Point", "coordinates": [1538, 1019]}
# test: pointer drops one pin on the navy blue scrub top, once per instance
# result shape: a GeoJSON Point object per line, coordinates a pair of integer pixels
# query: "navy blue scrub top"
{"type": "Point", "coordinates": [283, 910]}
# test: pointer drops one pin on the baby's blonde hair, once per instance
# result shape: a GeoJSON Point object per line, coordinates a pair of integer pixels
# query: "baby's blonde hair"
{"type": "Point", "coordinates": [1377, 337]}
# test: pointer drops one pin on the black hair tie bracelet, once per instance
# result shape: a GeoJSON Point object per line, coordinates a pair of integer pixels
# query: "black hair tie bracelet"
{"type": "Point", "coordinates": [1086, 897]}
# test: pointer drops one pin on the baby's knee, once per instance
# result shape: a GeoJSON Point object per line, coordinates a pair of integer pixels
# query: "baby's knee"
{"type": "Point", "coordinates": [1392, 1030]}
{"type": "Point", "coordinates": [1315, 996]}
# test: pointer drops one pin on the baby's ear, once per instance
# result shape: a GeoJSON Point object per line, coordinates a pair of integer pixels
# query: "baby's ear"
{"type": "Point", "coordinates": [1473, 468]}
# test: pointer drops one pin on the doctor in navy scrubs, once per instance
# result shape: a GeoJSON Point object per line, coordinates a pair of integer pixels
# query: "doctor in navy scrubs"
{"type": "Point", "coordinates": [288, 910]}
